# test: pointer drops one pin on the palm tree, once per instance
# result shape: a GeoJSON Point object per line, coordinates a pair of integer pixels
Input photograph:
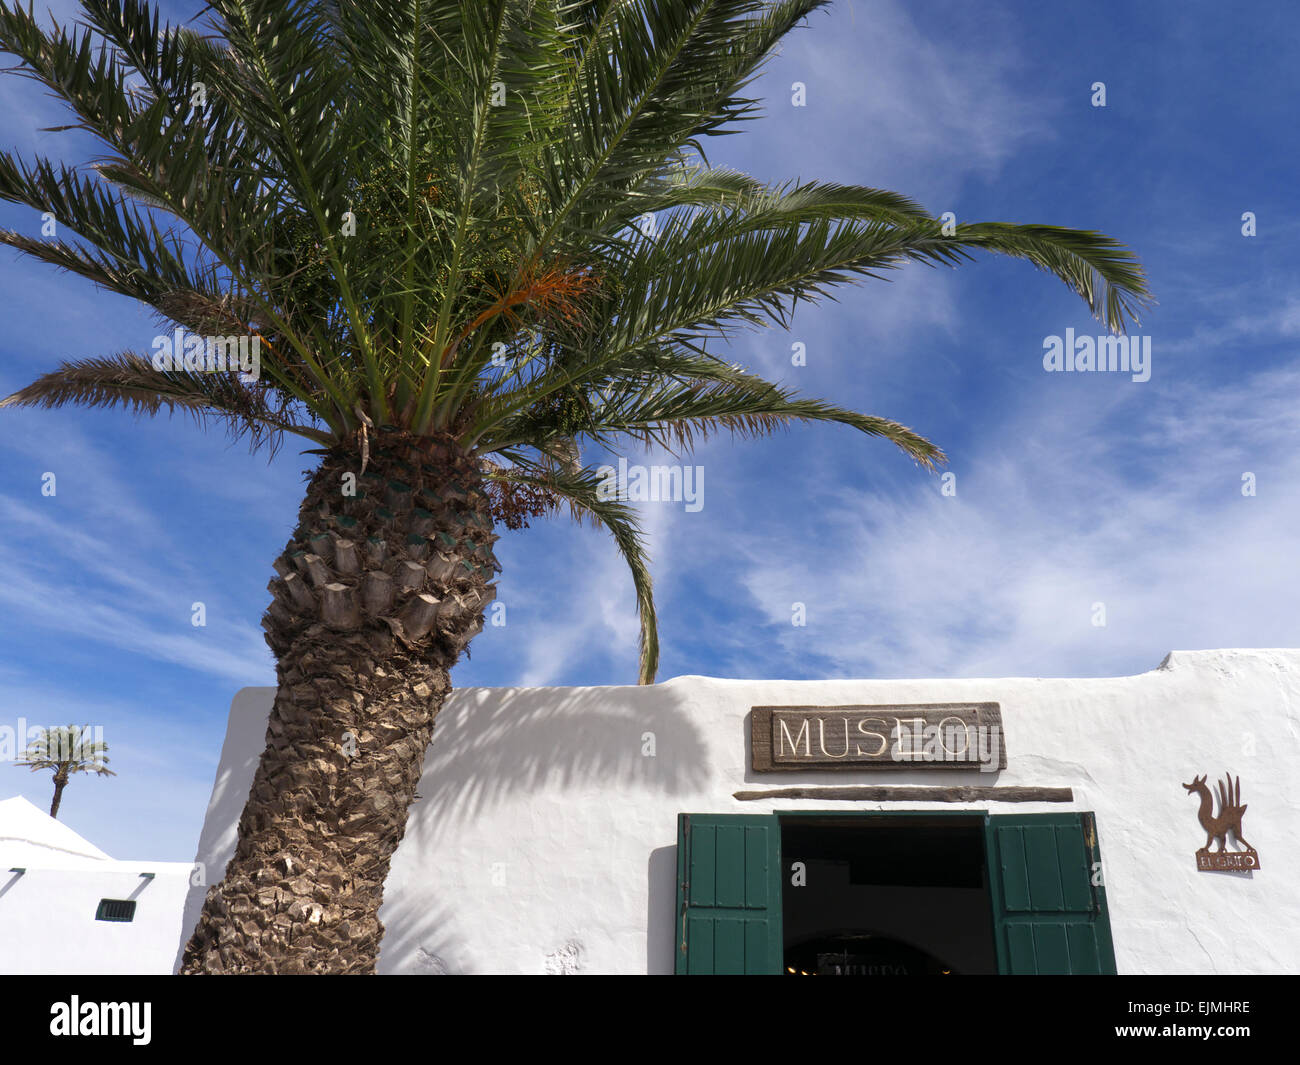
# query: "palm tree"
{"type": "Point", "coordinates": [465, 237]}
{"type": "Point", "coordinates": [66, 750]}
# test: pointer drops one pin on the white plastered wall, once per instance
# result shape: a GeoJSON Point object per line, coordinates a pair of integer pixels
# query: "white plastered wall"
{"type": "Point", "coordinates": [544, 838]}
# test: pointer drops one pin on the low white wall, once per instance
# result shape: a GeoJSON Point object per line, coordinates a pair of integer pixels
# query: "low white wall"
{"type": "Point", "coordinates": [48, 926]}
{"type": "Point", "coordinates": [544, 839]}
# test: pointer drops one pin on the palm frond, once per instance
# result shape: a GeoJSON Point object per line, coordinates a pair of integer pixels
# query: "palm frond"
{"type": "Point", "coordinates": [680, 412]}
{"type": "Point", "coordinates": [654, 79]}
{"type": "Point", "coordinates": [1105, 273]}
{"type": "Point", "coordinates": [131, 381]}
{"type": "Point", "coordinates": [682, 399]}
{"type": "Point", "coordinates": [584, 491]}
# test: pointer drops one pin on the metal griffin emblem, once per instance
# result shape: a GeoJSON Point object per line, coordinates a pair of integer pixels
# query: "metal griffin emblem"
{"type": "Point", "coordinates": [1217, 827]}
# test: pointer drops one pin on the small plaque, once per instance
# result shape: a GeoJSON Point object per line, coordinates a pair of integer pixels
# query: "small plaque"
{"type": "Point", "coordinates": [1208, 861]}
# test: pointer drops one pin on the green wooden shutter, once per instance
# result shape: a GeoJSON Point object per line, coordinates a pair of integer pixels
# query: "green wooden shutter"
{"type": "Point", "coordinates": [728, 894]}
{"type": "Point", "coordinates": [1049, 917]}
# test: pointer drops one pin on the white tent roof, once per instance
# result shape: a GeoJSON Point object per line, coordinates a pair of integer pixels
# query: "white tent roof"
{"type": "Point", "coordinates": [31, 837]}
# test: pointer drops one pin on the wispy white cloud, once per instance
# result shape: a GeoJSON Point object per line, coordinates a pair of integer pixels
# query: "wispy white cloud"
{"type": "Point", "coordinates": [1243, 317]}
{"type": "Point", "coordinates": [1004, 577]}
{"type": "Point", "coordinates": [236, 653]}
{"type": "Point", "coordinates": [916, 111]}
{"type": "Point", "coordinates": [94, 561]}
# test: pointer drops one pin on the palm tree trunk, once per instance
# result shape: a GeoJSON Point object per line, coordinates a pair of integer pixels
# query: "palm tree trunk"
{"type": "Point", "coordinates": [377, 594]}
{"type": "Point", "coordinates": [60, 782]}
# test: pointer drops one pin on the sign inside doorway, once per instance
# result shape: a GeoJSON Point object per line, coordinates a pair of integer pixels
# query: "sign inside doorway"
{"type": "Point", "coordinates": [907, 736]}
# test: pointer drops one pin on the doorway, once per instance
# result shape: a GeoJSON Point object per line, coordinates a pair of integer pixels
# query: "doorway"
{"type": "Point", "coordinates": [1026, 887]}
{"type": "Point", "coordinates": [886, 896]}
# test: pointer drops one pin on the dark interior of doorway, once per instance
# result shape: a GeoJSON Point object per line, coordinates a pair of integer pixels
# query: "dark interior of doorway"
{"type": "Point", "coordinates": [886, 896]}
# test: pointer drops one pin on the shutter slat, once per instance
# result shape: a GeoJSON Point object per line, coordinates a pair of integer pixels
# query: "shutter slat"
{"type": "Point", "coordinates": [1043, 862]}
{"type": "Point", "coordinates": [729, 947]}
{"type": "Point", "coordinates": [758, 933]}
{"type": "Point", "coordinates": [1015, 874]}
{"type": "Point", "coordinates": [1084, 957]}
{"type": "Point", "coordinates": [1051, 949]}
{"type": "Point", "coordinates": [758, 873]}
{"type": "Point", "coordinates": [730, 867]}
{"type": "Point", "coordinates": [1020, 947]}
{"type": "Point", "coordinates": [699, 940]}
{"type": "Point", "coordinates": [1076, 890]}
{"type": "Point", "coordinates": [704, 865]}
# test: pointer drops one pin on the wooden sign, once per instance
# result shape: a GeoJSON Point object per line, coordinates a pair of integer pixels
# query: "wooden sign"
{"type": "Point", "coordinates": [909, 736]}
{"type": "Point", "coordinates": [1217, 827]}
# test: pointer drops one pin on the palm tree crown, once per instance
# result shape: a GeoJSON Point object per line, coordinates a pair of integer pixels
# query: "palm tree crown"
{"type": "Point", "coordinates": [489, 222]}
{"type": "Point", "coordinates": [66, 750]}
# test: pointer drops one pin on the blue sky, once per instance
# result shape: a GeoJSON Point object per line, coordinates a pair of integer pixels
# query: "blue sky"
{"type": "Point", "coordinates": [1071, 489]}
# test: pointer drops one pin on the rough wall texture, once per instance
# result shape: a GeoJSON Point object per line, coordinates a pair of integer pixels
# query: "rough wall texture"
{"type": "Point", "coordinates": [544, 838]}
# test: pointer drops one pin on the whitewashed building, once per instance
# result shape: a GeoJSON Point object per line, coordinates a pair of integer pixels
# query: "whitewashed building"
{"type": "Point", "coordinates": [685, 826]}
{"type": "Point", "coordinates": [67, 908]}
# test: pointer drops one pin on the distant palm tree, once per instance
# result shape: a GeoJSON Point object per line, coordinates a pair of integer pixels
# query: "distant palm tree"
{"type": "Point", "coordinates": [465, 236]}
{"type": "Point", "coordinates": [66, 750]}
